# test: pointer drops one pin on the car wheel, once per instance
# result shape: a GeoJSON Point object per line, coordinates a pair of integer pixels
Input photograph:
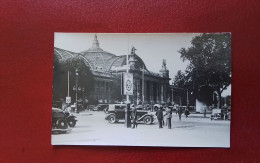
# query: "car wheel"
{"type": "Point", "coordinates": [72, 123]}
{"type": "Point", "coordinates": [147, 120]}
{"type": "Point", "coordinates": [62, 124]}
{"type": "Point", "coordinates": [112, 119]}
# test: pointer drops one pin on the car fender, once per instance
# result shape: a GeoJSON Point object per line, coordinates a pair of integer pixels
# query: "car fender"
{"type": "Point", "coordinates": [150, 115]}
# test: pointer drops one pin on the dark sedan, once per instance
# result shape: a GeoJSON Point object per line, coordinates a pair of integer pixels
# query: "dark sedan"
{"type": "Point", "coordinates": [116, 112]}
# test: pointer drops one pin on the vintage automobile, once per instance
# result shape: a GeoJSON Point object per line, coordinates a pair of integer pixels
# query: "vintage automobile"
{"type": "Point", "coordinates": [59, 121]}
{"type": "Point", "coordinates": [220, 114]}
{"type": "Point", "coordinates": [71, 119]}
{"type": "Point", "coordinates": [116, 112]}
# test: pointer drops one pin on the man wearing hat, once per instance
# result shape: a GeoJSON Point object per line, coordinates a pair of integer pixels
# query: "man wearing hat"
{"type": "Point", "coordinates": [159, 115]}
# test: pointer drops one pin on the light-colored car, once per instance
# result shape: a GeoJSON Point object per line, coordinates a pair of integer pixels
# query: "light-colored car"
{"type": "Point", "coordinates": [220, 114]}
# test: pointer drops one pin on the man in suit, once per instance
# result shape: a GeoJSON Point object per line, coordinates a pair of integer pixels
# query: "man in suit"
{"type": "Point", "coordinates": [134, 117]}
{"type": "Point", "coordinates": [179, 112]}
{"type": "Point", "coordinates": [168, 116]}
{"type": "Point", "coordinates": [159, 115]}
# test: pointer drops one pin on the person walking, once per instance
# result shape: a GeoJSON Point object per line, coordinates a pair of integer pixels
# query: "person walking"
{"type": "Point", "coordinates": [134, 117]}
{"type": "Point", "coordinates": [179, 112]}
{"type": "Point", "coordinates": [205, 111]}
{"type": "Point", "coordinates": [186, 112]}
{"type": "Point", "coordinates": [168, 116]}
{"type": "Point", "coordinates": [159, 115]}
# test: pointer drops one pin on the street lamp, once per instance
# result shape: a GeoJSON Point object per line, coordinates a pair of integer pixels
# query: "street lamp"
{"type": "Point", "coordinates": [77, 74]}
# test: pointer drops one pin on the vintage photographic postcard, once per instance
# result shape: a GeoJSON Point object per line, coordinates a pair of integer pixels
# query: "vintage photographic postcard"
{"type": "Point", "coordinates": [145, 89]}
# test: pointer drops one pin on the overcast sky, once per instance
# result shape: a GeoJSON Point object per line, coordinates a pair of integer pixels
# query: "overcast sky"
{"type": "Point", "coordinates": [152, 48]}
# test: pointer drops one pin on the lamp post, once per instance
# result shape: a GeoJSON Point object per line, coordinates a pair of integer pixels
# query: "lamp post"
{"type": "Point", "coordinates": [137, 92]}
{"type": "Point", "coordinates": [68, 98]}
{"type": "Point", "coordinates": [77, 74]}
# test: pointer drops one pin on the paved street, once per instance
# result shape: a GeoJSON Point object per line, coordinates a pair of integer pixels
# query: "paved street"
{"type": "Point", "coordinates": [194, 131]}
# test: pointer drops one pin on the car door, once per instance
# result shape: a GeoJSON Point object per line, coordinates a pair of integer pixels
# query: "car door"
{"type": "Point", "coordinates": [120, 111]}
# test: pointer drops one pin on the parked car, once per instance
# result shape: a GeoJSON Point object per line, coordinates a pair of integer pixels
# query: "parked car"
{"type": "Point", "coordinates": [91, 107]}
{"type": "Point", "coordinates": [59, 122]}
{"type": "Point", "coordinates": [116, 112]}
{"type": "Point", "coordinates": [221, 114]}
{"type": "Point", "coordinates": [71, 119]}
{"type": "Point", "coordinates": [62, 120]}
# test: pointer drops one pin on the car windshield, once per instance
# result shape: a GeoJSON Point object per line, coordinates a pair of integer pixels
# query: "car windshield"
{"type": "Point", "coordinates": [120, 107]}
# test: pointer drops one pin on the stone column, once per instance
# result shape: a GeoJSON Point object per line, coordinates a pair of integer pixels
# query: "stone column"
{"type": "Point", "coordinates": [105, 90]}
{"type": "Point", "coordinates": [109, 96]}
{"type": "Point", "coordinates": [157, 93]}
{"type": "Point", "coordinates": [162, 92]}
{"type": "Point", "coordinates": [145, 91]}
{"type": "Point", "coordinates": [152, 89]}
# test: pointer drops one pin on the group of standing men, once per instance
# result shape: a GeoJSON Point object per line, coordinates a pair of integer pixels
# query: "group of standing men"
{"type": "Point", "coordinates": [168, 116]}
{"type": "Point", "coordinates": [160, 116]}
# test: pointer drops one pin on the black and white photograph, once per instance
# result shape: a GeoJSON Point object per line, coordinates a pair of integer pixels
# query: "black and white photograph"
{"type": "Point", "coordinates": [142, 89]}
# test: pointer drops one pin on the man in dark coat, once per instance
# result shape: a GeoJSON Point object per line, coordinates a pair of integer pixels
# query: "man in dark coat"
{"type": "Point", "coordinates": [159, 115]}
{"type": "Point", "coordinates": [186, 112]}
{"type": "Point", "coordinates": [134, 117]}
{"type": "Point", "coordinates": [179, 112]}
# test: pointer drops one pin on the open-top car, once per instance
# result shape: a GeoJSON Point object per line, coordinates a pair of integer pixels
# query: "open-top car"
{"type": "Point", "coordinates": [116, 112]}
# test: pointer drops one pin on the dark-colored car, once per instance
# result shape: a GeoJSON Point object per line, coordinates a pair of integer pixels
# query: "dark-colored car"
{"type": "Point", "coordinates": [59, 121]}
{"type": "Point", "coordinates": [116, 112]}
{"type": "Point", "coordinates": [71, 119]}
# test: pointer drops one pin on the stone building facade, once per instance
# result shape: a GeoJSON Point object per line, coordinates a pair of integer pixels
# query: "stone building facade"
{"type": "Point", "coordinates": [107, 68]}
